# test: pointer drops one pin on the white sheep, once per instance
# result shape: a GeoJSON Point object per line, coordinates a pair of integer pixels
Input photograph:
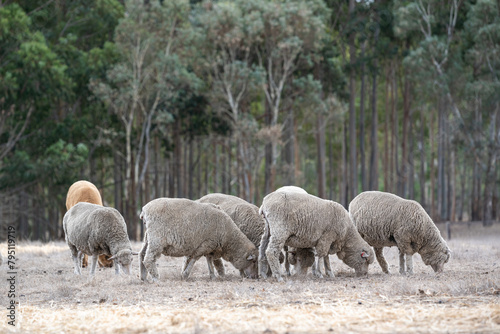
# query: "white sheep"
{"type": "Point", "coordinates": [300, 259]}
{"type": "Point", "coordinates": [84, 191]}
{"type": "Point", "coordinates": [181, 227]}
{"type": "Point", "coordinates": [306, 221]}
{"type": "Point", "coordinates": [93, 230]}
{"type": "Point", "coordinates": [386, 220]}
{"type": "Point", "coordinates": [244, 214]}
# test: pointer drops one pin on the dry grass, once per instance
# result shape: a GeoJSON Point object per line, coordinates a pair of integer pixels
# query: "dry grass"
{"type": "Point", "coordinates": [464, 299]}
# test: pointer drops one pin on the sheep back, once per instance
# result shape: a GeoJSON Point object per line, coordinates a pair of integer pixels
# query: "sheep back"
{"type": "Point", "coordinates": [291, 189]}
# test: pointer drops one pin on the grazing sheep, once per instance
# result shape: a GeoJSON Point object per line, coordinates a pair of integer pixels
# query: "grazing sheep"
{"type": "Point", "coordinates": [84, 191]}
{"type": "Point", "coordinates": [386, 220]}
{"type": "Point", "coordinates": [300, 259]}
{"type": "Point", "coordinates": [306, 221]}
{"type": "Point", "coordinates": [181, 227]}
{"type": "Point", "coordinates": [93, 230]}
{"type": "Point", "coordinates": [245, 215]}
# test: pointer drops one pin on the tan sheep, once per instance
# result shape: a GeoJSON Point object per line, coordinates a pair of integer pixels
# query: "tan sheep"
{"type": "Point", "coordinates": [84, 191]}
{"type": "Point", "coordinates": [385, 220]}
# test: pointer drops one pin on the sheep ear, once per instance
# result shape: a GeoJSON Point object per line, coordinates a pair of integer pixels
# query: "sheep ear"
{"type": "Point", "coordinates": [112, 258]}
{"type": "Point", "coordinates": [365, 255]}
{"type": "Point", "coordinates": [250, 258]}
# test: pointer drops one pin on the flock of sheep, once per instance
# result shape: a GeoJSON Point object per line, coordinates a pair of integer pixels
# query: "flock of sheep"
{"type": "Point", "coordinates": [291, 226]}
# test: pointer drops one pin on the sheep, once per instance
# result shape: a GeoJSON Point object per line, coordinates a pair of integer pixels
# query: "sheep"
{"type": "Point", "coordinates": [182, 227]}
{"type": "Point", "coordinates": [84, 191]}
{"type": "Point", "coordinates": [93, 230]}
{"type": "Point", "coordinates": [385, 220]}
{"type": "Point", "coordinates": [306, 221]}
{"type": "Point", "coordinates": [300, 258]}
{"type": "Point", "coordinates": [244, 214]}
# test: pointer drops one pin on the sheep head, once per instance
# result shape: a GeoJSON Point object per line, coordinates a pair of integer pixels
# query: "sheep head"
{"type": "Point", "coordinates": [124, 259]}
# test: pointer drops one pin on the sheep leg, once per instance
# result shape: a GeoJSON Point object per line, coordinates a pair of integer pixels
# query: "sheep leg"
{"type": "Point", "coordinates": [152, 254]}
{"type": "Point", "coordinates": [402, 262]}
{"type": "Point", "coordinates": [94, 264]}
{"type": "Point", "coordinates": [142, 253]}
{"type": "Point", "coordinates": [210, 263]}
{"type": "Point", "coordinates": [75, 255]}
{"type": "Point", "coordinates": [322, 248]}
{"type": "Point", "coordinates": [273, 255]}
{"type": "Point", "coordinates": [117, 268]}
{"type": "Point", "coordinates": [185, 263]}
{"type": "Point", "coordinates": [409, 264]}
{"type": "Point", "coordinates": [264, 242]}
{"type": "Point", "coordinates": [189, 267]}
{"type": "Point", "coordinates": [219, 267]}
{"type": "Point", "coordinates": [316, 267]}
{"type": "Point", "coordinates": [287, 263]}
{"type": "Point", "coordinates": [379, 253]}
{"type": "Point", "coordinates": [328, 268]}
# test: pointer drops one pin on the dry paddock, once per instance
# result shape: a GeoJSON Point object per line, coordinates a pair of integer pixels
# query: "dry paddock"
{"type": "Point", "coordinates": [464, 299]}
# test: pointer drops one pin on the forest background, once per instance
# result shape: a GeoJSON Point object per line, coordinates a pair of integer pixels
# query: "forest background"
{"type": "Point", "coordinates": [180, 98]}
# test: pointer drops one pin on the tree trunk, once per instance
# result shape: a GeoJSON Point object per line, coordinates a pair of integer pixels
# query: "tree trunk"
{"type": "Point", "coordinates": [441, 162]}
{"type": "Point", "coordinates": [422, 158]}
{"type": "Point", "coordinates": [364, 182]}
{"type": "Point", "coordinates": [268, 156]}
{"type": "Point", "coordinates": [352, 111]}
{"type": "Point", "coordinates": [411, 161]}
{"type": "Point", "coordinates": [331, 167]}
{"type": "Point", "coordinates": [345, 168]}
{"type": "Point", "coordinates": [395, 175]}
{"type": "Point", "coordinates": [461, 198]}
{"type": "Point", "coordinates": [157, 177]}
{"type": "Point", "coordinates": [406, 134]}
{"type": "Point", "coordinates": [199, 184]}
{"type": "Point", "coordinates": [191, 170]}
{"type": "Point", "coordinates": [374, 132]}
{"type": "Point", "coordinates": [289, 148]}
{"type": "Point", "coordinates": [490, 181]}
{"type": "Point", "coordinates": [320, 143]}
{"type": "Point", "coordinates": [216, 166]}
{"type": "Point", "coordinates": [178, 161]}
{"type": "Point", "coordinates": [432, 167]}
{"type": "Point", "coordinates": [452, 186]}
{"type": "Point", "coordinates": [387, 175]}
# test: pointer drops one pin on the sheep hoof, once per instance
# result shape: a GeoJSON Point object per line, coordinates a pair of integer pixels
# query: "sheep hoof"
{"type": "Point", "coordinates": [330, 274]}
{"type": "Point", "coordinates": [318, 275]}
{"type": "Point", "coordinates": [279, 278]}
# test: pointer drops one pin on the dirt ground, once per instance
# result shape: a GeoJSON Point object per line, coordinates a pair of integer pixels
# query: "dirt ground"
{"type": "Point", "coordinates": [464, 299]}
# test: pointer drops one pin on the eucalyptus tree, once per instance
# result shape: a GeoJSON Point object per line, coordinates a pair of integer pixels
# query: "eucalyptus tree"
{"type": "Point", "coordinates": [482, 29]}
{"type": "Point", "coordinates": [138, 87]}
{"type": "Point", "coordinates": [227, 34]}
{"type": "Point", "coordinates": [290, 31]}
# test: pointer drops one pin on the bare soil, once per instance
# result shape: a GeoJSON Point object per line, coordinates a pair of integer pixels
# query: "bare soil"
{"type": "Point", "coordinates": [464, 299]}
